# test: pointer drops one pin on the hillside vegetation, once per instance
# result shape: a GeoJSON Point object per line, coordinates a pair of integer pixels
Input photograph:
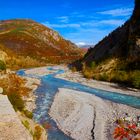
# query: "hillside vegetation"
{"type": "Point", "coordinates": [28, 43]}
{"type": "Point", "coordinates": [117, 57]}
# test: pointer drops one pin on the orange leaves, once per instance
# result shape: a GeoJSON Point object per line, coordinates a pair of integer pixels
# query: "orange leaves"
{"type": "Point", "coordinates": [132, 126]}
{"type": "Point", "coordinates": [14, 84]}
{"type": "Point", "coordinates": [126, 131]}
{"type": "Point", "coordinates": [121, 133]}
{"type": "Point", "coordinates": [37, 132]}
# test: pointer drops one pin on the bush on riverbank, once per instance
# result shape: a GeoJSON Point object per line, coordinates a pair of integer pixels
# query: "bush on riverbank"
{"type": "Point", "coordinates": [113, 70]}
{"type": "Point", "coordinates": [37, 133]}
{"type": "Point", "coordinates": [26, 124]}
{"type": "Point", "coordinates": [21, 62]}
{"type": "Point", "coordinates": [16, 101]}
{"type": "Point", "coordinates": [2, 65]}
{"type": "Point", "coordinates": [14, 88]}
{"type": "Point", "coordinates": [131, 78]}
{"type": "Point", "coordinates": [28, 114]}
{"type": "Point", "coordinates": [14, 84]}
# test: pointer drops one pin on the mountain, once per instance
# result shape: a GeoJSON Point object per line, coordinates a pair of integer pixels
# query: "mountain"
{"type": "Point", "coordinates": [27, 38]}
{"type": "Point", "coordinates": [117, 57]}
{"type": "Point", "coordinates": [85, 47]}
{"type": "Point", "coordinates": [122, 42]}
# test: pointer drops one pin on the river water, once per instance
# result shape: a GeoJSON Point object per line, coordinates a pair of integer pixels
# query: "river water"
{"type": "Point", "coordinates": [49, 87]}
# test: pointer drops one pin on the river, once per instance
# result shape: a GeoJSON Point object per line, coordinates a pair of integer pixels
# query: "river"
{"type": "Point", "coordinates": [49, 87]}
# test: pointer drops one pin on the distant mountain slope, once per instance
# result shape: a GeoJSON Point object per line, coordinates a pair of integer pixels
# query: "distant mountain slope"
{"type": "Point", "coordinates": [85, 47]}
{"type": "Point", "coordinates": [116, 58]}
{"type": "Point", "coordinates": [29, 38]}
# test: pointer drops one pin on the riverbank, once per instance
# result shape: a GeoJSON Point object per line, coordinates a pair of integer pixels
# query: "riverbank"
{"type": "Point", "coordinates": [32, 83]}
{"type": "Point", "coordinates": [84, 116]}
{"type": "Point", "coordinates": [88, 111]}
{"type": "Point", "coordinates": [113, 87]}
{"type": "Point", "coordinates": [16, 123]}
{"type": "Point", "coordinates": [42, 71]}
{"type": "Point", "coordinates": [78, 78]}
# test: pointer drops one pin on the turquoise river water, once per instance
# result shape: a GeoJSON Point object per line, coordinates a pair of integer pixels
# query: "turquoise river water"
{"type": "Point", "coordinates": [49, 87]}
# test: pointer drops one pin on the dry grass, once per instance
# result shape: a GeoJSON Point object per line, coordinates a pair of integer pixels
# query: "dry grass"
{"type": "Point", "coordinates": [14, 84]}
{"type": "Point", "coordinates": [20, 62]}
{"type": "Point", "coordinates": [113, 70]}
{"type": "Point", "coordinates": [14, 88]}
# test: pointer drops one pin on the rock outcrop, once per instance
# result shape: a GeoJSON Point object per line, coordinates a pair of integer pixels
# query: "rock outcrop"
{"type": "Point", "coordinates": [11, 127]}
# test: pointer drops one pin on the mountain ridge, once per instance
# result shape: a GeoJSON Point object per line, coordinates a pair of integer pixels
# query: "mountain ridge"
{"type": "Point", "coordinates": [24, 37]}
{"type": "Point", "coordinates": [122, 42]}
{"type": "Point", "coordinates": [116, 58]}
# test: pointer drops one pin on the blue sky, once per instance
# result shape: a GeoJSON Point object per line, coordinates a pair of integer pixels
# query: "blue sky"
{"type": "Point", "coordinates": [81, 21]}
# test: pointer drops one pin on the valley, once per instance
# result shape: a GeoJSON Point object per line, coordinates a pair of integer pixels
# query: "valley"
{"type": "Point", "coordinates": [53, 89]}
{"type": "Point", "coordinates": [75, 102]}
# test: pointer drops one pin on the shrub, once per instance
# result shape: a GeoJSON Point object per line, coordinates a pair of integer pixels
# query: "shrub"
{"type": "Point", "coordinates": [103, 77]}
{"type": "Point", "coordinates": [119, 76]}
{"type": "Point", "coordinates": [2, 65]}
{"type": "Point", "coordinates": [114, 70]}
{"type": "Point", "coordinates": [130, 78]}
{"type": "Point", "coordinates": [136, 79]}
{"type": "Point", "coordinates": [73, 69]}
{"type": "Point", "coordinates": [87, 73]}
{"type": "Point", "coordinates": [26, 124]}
{"type": "Point", "coordinates": [93, 65]}
{"type": "Point", "coordinates": [121, 65]}
{"type": "Point", "coordinates": [24, 62]}
{"type": "Point", "coordinates": [28, 114]}
{"type": "Point", "coordinates": [16, 101]}
{"type": "Point", "coordinates": [37, 133]}
{"type": "Point", "coordinates": [16, 85]}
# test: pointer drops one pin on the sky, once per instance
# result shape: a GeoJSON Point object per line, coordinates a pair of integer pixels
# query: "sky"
{"type": "Point", "coordinates": [81, 21]}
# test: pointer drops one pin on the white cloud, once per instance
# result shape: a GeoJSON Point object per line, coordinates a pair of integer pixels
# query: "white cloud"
{"type": "Point", "coordinates": [80, 43]}
{"type": "Point", "coordinates": [78, 15]}
{"type": "Point", "coordinates": [86, 31]}
{"type": "Point", "coordinates": [71, 25]}
{"type": "Point", "coordinates": [91, 30]}
{"type": "Point", "coordinates": [63, 19]}
{"type": "Point", "coordinates": [115, 22]}
{"type": "Point", "coordinates": [99, 23]}
{"type": "Point", "coordinates": [118, 12]}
